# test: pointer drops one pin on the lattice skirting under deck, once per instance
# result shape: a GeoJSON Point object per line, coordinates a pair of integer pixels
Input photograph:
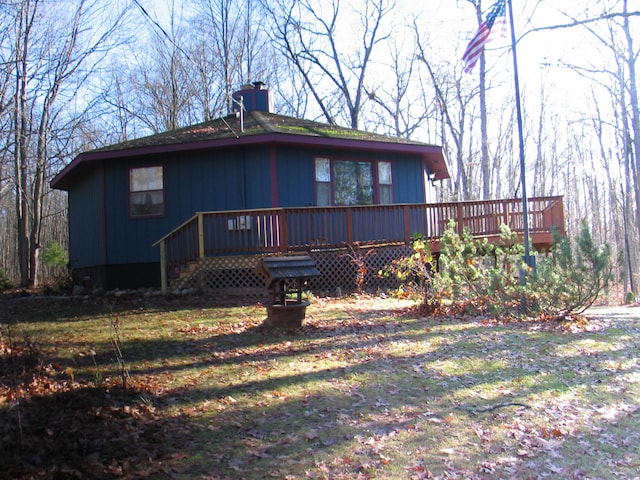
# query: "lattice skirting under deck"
{"type": "Point", "coordinates": [237, 275]}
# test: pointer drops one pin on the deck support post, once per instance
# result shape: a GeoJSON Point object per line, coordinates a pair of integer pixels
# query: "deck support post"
{"type": "Point", "coordinates": [163, 267]}
{"type": "Point", "coordinates": [200, 236]}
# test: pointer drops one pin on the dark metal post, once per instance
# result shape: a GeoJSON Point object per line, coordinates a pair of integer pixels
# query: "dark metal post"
{"type": "Point", "coordinates": [529, 259]}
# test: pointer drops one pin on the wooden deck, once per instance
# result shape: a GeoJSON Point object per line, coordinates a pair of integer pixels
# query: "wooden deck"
{"type": "Point", "coordinates": [280, 230]}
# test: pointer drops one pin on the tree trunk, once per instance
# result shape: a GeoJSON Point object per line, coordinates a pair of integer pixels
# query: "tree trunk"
{"type": "Point", "coordinates": [22, 141]}
{"type": "Point", "coordinates": [635, 112]}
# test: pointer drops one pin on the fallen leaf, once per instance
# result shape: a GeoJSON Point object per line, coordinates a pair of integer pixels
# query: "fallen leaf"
{"type": "Point", "coordinates": [310, 435]}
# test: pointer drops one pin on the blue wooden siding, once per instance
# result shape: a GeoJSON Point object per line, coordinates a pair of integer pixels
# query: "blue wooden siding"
{"type": "Point", "coordinates": [258, 178]}
{"type": "Point", "coordinates": [86, 239]}
{"type": "Point", "coordinates": [296, 177]}
{"type": "Point", "coordinates": [194, 182]}
{"type": "Point", "coordinates": [128, 240]}
{"type": "Point", "coordinates": [208, 181]}
{"type": "Point", "coordinates": [230, 179]}
{"type": "Point", "coordinates": [408, 186]}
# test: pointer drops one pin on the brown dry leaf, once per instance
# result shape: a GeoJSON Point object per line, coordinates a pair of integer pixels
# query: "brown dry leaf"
{"type": "Point", "coordinates": [310, 435]}
{"type": "Point", "coordinates": [277, 394]}
{"type": "Point", "coordinates": [552, 433]}
{"type": "Point", "coordinates": [289, 439]}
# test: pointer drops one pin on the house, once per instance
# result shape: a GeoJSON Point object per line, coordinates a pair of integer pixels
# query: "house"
{"type": "Point", "coordinates": [252, 182]}
{"type": "Point", "coordinates": [123, 198]}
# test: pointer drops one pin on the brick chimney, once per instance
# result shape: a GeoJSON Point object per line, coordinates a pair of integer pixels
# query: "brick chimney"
{"type": "Point", "coordinates": [253, 97]}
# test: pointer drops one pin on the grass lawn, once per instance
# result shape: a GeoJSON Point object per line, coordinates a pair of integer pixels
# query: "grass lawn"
{"type": "Point", "coordinates": [365, 389]}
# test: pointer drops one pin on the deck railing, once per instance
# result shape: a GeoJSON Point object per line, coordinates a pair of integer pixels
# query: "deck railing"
{"type": "Point", "coordinates": [260, 231]}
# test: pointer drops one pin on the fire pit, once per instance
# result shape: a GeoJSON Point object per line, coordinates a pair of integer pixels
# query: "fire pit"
{"type": "Point", "coordinates": [285, 277]}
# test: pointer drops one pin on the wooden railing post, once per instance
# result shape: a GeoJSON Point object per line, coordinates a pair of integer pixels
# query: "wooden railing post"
{"type": "Point", "coordinates": [349, 225]}
{"type": "Point", "coordinates": [283, 218]}
{"type": "Point", "coordinates": [407, 226]}
{"type": "Point", "coordinates": [553, 216]}
{"type": "Point", "coordinates": [200, 235]}
{"type": "Point", "coordinates": [460, 219]}
{"type": "Point", "coordinates": [163, 267]}
{"type": "Point", "coordinates": [506, 213]}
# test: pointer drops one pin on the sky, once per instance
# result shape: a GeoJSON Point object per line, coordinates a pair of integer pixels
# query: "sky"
{"type": "Point", "coordinates": [545, 57]}
{"type": "Point", "coordinates": [449, 24]}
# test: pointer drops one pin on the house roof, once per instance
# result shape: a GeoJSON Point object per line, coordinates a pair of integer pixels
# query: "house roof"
{"type": "Point", "coordinates": [255, 128]}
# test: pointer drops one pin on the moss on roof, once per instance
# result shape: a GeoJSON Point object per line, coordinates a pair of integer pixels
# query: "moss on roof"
{"type": "Point", "coordinates": [255, 123]}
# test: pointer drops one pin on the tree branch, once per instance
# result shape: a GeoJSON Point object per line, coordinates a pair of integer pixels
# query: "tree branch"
{"type": "Point", "coordinates": [578, 23]}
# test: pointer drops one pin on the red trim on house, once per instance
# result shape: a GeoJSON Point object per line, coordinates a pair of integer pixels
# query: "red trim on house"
{"type": "Point", "coordinates": [103, 213]}
{"type": "Point", "coordinates": [273, 168]}
{"type": "Point", "coordinates": [424, 180]}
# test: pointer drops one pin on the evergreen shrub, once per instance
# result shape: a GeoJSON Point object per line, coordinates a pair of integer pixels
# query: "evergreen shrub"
{"type": "Point", "coordinates": [477, 277]}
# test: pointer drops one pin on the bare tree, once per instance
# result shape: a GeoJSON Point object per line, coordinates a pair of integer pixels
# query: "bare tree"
{"type": "Point", "coordinates": [405, 101]}
{"type": "Point", "coordinates": [614, 125]}
{"type": "Point", "coordinates": [232, 51]}
{"type": "Point", "coordinates": [482, 92]}
{"type": "Point", "coordinates": [7, 82]}
{"type": "Point", "coordinates": [465, 113]}
{"type": "Point", "coordinates": [333, 70]}
{"type": "Point", "coordinates": [618, 191]}
{"type": "Point", "coordinates": [218, 52]}
{"type": "Point", "coordinates": [620, 83]}
{"type": "Point", "coordinates": [630, 57]}
{"type": "Point", "coordinates": [52, 55]}
{"type": "Point", "coordinates": [194, 64]}
{"type": "Point", "coordinates": [454, 102]}
{"type": "Point", "coordinates": [289, 86]}
{"type": "Point", "coordinates": [161, 83]}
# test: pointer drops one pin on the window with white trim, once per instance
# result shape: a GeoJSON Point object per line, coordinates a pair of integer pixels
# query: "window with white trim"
{"type": "Point", "coordinates": [323, 182]}
{"type": "Point", "coordinates": [146, 192]}
{"type": "Point", "coordinates": [352, 182]}
{"type": "Point", "coordinates": [385, 183]}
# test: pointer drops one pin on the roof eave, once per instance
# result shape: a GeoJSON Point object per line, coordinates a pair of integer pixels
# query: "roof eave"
{"type": "Point", "coordinates": [432, 154]}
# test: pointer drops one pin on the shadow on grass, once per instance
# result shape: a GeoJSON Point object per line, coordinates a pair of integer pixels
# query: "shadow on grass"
{"type": "Point", "coordinates": [374, 399]}
{"type": "Point", "coordinates": [33, 309]}
{"type": "Point", "coordinates": [379, 391]}
{"type": "Point", "coordinates": [89, 432]}
{"type": "Point", "coordinates": [252, 425]}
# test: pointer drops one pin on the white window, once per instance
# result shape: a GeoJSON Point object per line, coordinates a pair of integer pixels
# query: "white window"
{"type": "Point", "coordinates": [385, 183]}
{"type": "Point", "coordinates": [323, 182]}
{"type": "Point", "coordinates": [351, 182]}
{"type": "Point", "coordinates": [146, 192]}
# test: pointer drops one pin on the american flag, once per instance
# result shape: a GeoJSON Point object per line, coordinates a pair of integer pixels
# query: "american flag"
{"type": "Point", "coordinates": [495, 22]}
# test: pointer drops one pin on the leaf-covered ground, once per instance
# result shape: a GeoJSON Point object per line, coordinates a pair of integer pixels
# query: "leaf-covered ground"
{"type": "Point", "coordinates": [366, 389]}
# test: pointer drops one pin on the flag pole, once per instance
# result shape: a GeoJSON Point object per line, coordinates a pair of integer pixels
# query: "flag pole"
{"type": "Point", "coordinates": [529, 259]}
